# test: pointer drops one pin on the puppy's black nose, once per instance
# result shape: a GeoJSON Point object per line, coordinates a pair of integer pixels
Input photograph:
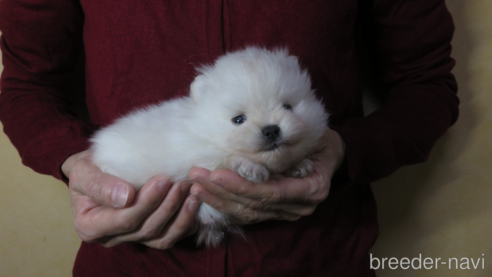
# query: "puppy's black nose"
{"type": "Point", "coordinates": [271, 132]}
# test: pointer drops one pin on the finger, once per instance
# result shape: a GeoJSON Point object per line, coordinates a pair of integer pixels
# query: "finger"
{"type": "Point", "coordinates": [272, 191]}
{"type": "Point", "coordinates": [229, 185]}
{"type": "Point", "coordinates": [155, 222]}
{"type": "Point", "coordinates": [201, 176]}
{"type": "Point", "coordinates": [182, 225]}
{"type": "Point", "coordinates": [275, 191]}
{"type": "Point", "coordinates": [95, 221]}
{"type": "Point", "coordinates": [103, 189]}
{"type": "Point", "coordinates": [311, 189]}
{"type": "Point", "coordinates": [236, 211]}
{"type": "Point", "coordinates": [302, 209]}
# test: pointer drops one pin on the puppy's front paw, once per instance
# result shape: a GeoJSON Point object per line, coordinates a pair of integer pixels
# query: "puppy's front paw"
{"type": "Point", "coordinates": [301, 170]}
{"type": "Point", "coordinates": [253, 172]}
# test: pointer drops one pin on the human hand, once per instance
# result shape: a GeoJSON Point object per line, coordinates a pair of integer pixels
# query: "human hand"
{"type": "Point", "coordinates": [279, 198]}
{"type": "Point", "coordinates": [109, 211]}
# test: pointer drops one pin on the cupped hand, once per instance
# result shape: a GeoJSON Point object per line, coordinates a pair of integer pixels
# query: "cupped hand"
{"type": "Point", "coordinates": [280, 198]}
{"type": "Point", "coordinates": [109, 211]}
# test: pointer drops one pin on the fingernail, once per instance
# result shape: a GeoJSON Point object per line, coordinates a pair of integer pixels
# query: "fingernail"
{"type": "Point", "coordinates": [119, 195]}
{"type": "Point", "coordinates": [219, 181]}
{"type": "Point", "coordinates": [193, 205]}
{"type": "Point", "coordinates": [199, 180]}
{"type": "Point", "coordinates": [196, 192]}
{"type": "Point", "coordinates": [185, 186]}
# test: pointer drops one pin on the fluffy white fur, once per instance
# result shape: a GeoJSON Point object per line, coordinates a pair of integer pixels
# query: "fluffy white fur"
{"type": "Point", "coordinates": [268, 87]}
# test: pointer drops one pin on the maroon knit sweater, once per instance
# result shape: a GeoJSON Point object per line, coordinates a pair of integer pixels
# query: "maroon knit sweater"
{"type": "Point", "coordinates": [143, 52]}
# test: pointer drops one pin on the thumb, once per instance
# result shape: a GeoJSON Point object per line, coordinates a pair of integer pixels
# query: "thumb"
{"type": "Point", "coordinates": [103, 189]}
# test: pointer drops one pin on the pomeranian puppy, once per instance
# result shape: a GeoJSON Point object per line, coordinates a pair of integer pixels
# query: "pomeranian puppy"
{"type": "Point", "coordinates": [253, 111]}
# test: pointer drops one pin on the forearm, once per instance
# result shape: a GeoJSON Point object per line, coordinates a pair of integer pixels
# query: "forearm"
{"type": "Point", "coordinates": [412, 45]}
{"type": "Point", "coordinates": [40, 45]}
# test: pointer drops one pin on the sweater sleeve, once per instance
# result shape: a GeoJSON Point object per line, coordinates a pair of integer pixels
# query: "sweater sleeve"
{"type": "Point", "coordinates": [41, 41]}
{"type": "Point", "coordinates": [413, 46]}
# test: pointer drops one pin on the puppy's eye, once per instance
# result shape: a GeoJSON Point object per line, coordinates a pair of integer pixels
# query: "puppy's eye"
{"type": "Point", "coordinates": [287, 107]}
{"type": "Point", "coordinates": [239, 119]}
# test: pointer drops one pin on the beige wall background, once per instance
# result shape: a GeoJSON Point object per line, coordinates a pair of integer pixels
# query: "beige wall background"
{"type": "Point", "coordinates": [440, 209]}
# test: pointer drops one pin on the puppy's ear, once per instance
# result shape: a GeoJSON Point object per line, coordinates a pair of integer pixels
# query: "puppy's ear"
{"type": "Point", "coordinates": [198, 87]}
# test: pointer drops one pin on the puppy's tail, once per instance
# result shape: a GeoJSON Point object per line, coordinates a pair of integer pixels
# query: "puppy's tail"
{"type": "Point", "coordinates": [212, 235]}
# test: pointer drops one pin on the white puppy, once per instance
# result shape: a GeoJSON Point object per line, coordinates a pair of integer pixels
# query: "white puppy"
{"type": "Point", "coordinates": [253, 111]}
